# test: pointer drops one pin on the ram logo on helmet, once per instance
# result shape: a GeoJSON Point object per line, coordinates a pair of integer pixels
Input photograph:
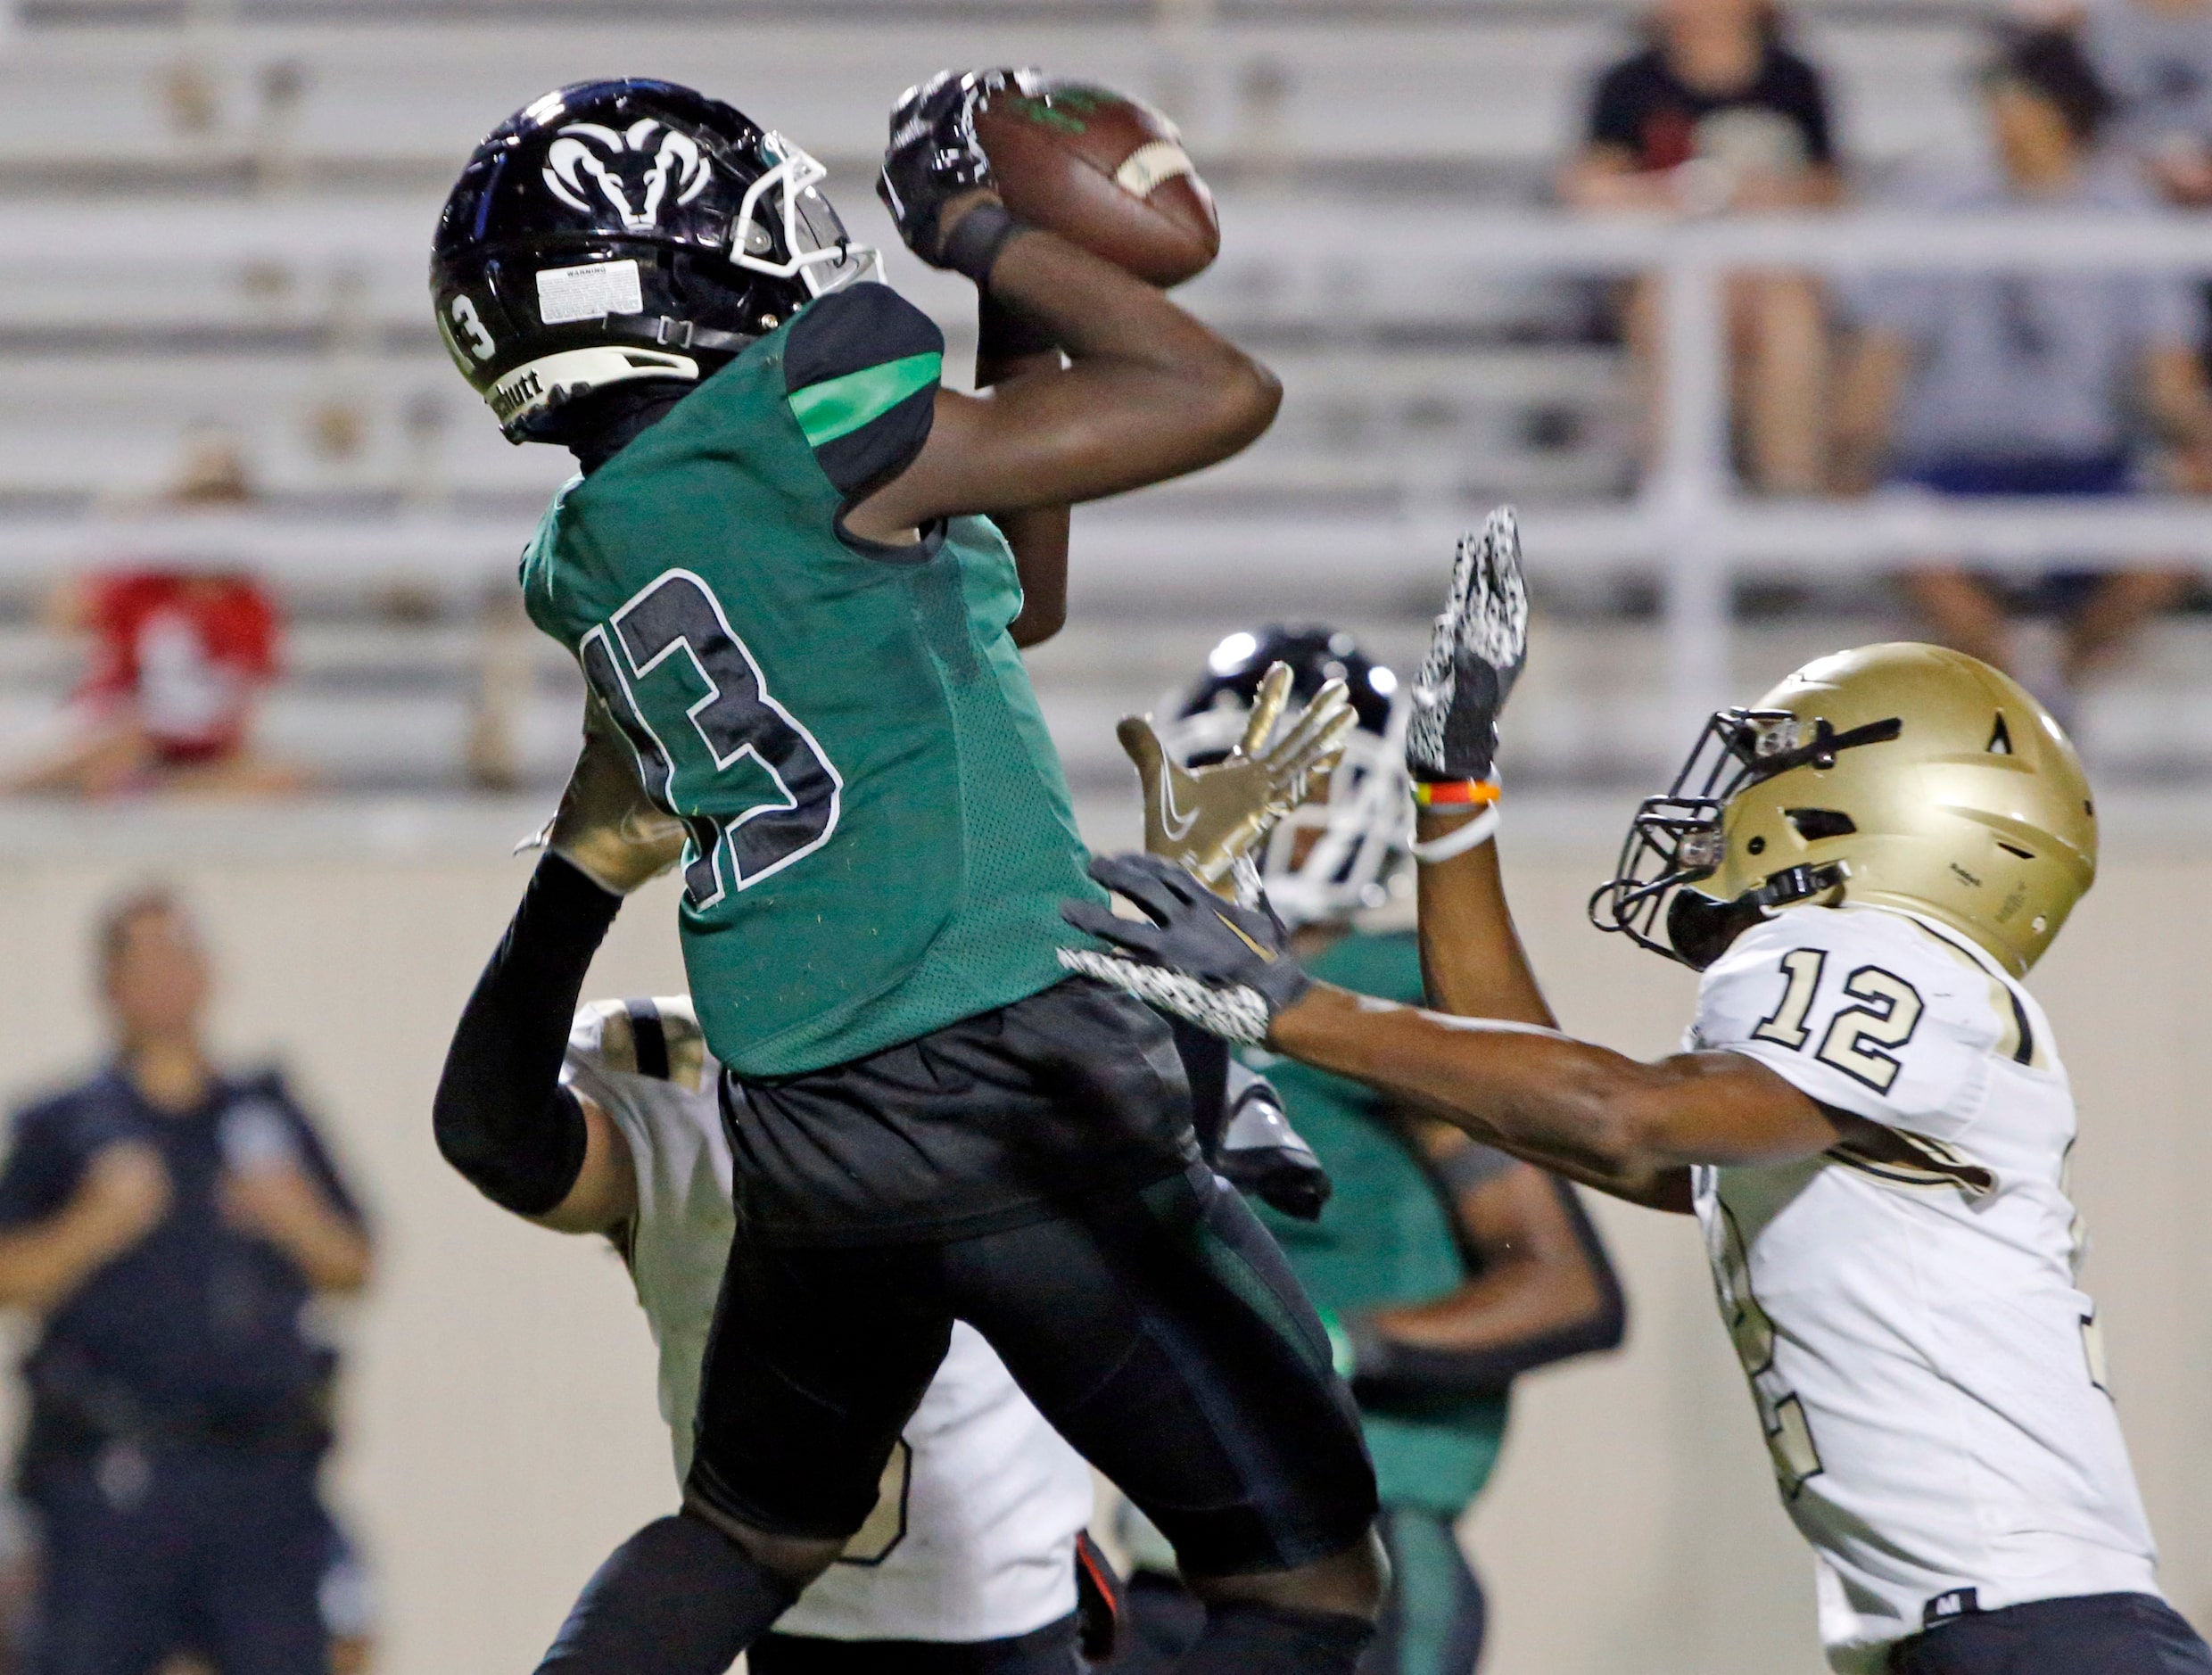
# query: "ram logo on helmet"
{"type": "Point", "coordinates": [574, 167]}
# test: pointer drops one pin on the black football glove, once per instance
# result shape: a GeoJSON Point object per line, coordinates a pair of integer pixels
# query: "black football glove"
{"type": "Point", "coordinates": [1224, 968]}
{"type": "Point", "coordinates": [934, 154]}
{"type": "Point", "coordinates": [1263, 1155]}
{"type": "Point", "coordinates": [1475, 654]}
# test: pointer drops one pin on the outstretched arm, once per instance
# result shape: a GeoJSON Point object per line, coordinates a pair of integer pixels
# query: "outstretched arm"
{"type": "Point", "coordinates": [1472, 964]}
{"type": "Point", "coordinates": [1148, 394]}
{"type": "Point", "coordinates": [1624, 1126]}
{"type": "Point", "coordinates": [1596, 1116]}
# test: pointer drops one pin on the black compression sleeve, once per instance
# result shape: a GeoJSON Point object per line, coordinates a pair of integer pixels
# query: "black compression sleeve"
{"type": "Point", "coordinates": [1384, 1368]}
{"type": "Point", "coordinates": [502, 1116]}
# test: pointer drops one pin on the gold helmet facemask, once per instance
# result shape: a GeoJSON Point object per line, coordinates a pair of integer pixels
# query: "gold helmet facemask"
{"type": "Point", "coordinates": [1901, 775]}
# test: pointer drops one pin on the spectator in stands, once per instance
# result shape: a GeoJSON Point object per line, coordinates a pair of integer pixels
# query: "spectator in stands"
{"type": "Point", "coordinates": [1980, 384]}
{"type": "Point", "coordinates": [1717, 114]}
{"type": "Point", "coordinates": [2156, 58]}
{"type": "Point", "coordinates": [168, 1224]}
{"type": "Point", "coordinates": [179, 662]}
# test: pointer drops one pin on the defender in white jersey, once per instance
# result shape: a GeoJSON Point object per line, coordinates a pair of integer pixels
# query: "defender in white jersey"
{"type": "Point", "coordinates": [1925, 1366]}
{"type": "Point", "coordinates": [974, 1536]}
{"type": "Point", "coordinates": [1870, 1121]}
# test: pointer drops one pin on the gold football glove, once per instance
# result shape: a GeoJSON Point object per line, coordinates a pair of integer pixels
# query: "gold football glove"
{"type": "Point", "coordinates": [1208, 820]}
{"type": "Point", "coordinates": [605, 827]}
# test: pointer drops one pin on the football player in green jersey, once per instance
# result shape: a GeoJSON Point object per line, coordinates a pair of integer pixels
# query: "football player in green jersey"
{"type": "Point", "coordinates": [1445, 1268]}
{"type": "Point", "coordinates": [778, 575]}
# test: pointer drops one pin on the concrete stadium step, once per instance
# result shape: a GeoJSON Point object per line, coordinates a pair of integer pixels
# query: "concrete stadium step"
{"type": "Point", "coordinates": [381, 105]}
{"type": "Point", "coordinates": [388, 706]}
{"type": "Point", "coordinates": [1374, 419]}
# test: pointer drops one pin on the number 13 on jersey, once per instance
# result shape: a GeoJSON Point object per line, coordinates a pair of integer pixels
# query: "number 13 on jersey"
{"type": "Point", "coordinates": [716, 750]}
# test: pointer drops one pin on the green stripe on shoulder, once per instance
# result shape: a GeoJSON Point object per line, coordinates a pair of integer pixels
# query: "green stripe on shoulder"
{"type": "Point", "coordinates": [837, 406]}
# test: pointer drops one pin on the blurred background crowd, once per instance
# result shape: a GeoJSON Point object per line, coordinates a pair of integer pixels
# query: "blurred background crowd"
{"type": "Point", "coordinates": [257, 549]}
{"type": "Point", "coordinates": [253, 540]}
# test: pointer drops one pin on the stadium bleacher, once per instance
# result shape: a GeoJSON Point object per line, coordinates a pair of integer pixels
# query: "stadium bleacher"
{"type": "Point", "coordinates": [186, 165]}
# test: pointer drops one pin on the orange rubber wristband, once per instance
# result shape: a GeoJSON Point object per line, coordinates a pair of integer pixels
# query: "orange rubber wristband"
{"type": "Point", "coordinates": [1456, 793]}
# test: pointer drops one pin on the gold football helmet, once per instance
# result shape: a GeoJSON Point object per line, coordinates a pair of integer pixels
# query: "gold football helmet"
{"type": "Point", "coordinates": [1901, 774]}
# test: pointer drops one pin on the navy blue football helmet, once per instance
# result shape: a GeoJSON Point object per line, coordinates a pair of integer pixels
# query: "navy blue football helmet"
{"type": "Point", "coordinates": [621, 230]}
{"type": "Point", "coordinates": [1343, 848]}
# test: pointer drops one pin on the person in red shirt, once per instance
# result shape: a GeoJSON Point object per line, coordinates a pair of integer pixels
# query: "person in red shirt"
{"type": "Point", "coordinates": [179, 662]}
{"type": "Point", "coordinates": [186, 653]}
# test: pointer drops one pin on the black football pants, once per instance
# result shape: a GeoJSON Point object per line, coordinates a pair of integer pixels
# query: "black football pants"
{"type": "Point", "coordinates": [2095, 1634]}
{"type": "Point", "coordinates": [1159, 1331]}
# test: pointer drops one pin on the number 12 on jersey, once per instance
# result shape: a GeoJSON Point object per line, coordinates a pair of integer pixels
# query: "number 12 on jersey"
{"type": "Point", "coordinates": [1857, 1041]}
{"type": "Point", "coordinates": [717, 751]}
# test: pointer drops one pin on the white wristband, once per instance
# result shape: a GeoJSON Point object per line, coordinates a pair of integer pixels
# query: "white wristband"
{"type": "Point", "coordinates": [1459, 839]}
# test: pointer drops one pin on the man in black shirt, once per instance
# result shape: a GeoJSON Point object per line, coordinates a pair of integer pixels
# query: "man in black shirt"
{"type": "Point", "coordinates": [1717, 114]}
{"type": "Point", "coordinates": [1661, 108]}
{"type": "Point", "coordinates": [170, 1226]}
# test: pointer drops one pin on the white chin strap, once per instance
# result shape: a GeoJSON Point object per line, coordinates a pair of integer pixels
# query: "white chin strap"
{"type": "Point", "coordinates": [821, 268]}
{"type": "Point", "coordinates": [532, 386]}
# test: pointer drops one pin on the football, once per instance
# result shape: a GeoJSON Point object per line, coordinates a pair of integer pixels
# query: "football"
{"type": "Point", "coordinates": [1105, 171]}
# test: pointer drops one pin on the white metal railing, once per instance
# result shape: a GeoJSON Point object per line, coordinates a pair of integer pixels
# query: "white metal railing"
{"type": "Point", "coordinates": [1690, 520]}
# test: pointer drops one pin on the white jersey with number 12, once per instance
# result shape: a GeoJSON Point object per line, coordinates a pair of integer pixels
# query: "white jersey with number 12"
{"type": "Point", "coordinates": [1927, 1371]}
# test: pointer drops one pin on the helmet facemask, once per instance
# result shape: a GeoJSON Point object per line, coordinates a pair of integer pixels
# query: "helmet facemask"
{"type": "Point", "coordinates": [1338, 852]}
{"type": "Point", "coordinates": [1679, 839]}
{"type": "Point", "coordinates": [817, 250]}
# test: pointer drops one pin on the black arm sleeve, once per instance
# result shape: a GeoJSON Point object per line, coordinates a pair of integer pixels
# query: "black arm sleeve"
{"type": "Point", "coordinates": [1384, 1370]}
{"type": "Point", "coordinates": [502, 1118]}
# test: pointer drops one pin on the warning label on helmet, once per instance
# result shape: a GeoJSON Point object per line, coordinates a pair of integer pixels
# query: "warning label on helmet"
{"type": "Point", "coordinates": [588, 292]}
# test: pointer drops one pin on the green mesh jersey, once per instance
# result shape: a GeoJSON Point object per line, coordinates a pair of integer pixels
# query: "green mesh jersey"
{"type": "Point", "coordinates": [881, 834]}
{"type": "Point", "coordinates": [1387, 1237]}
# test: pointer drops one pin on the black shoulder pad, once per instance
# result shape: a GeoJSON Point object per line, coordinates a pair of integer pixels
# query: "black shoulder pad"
{"type": "Point", "coordinates": [860, 370]}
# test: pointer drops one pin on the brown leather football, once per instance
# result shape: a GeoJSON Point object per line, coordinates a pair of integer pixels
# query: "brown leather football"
{"type": "Point", "coordinates": [1105, 171]}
